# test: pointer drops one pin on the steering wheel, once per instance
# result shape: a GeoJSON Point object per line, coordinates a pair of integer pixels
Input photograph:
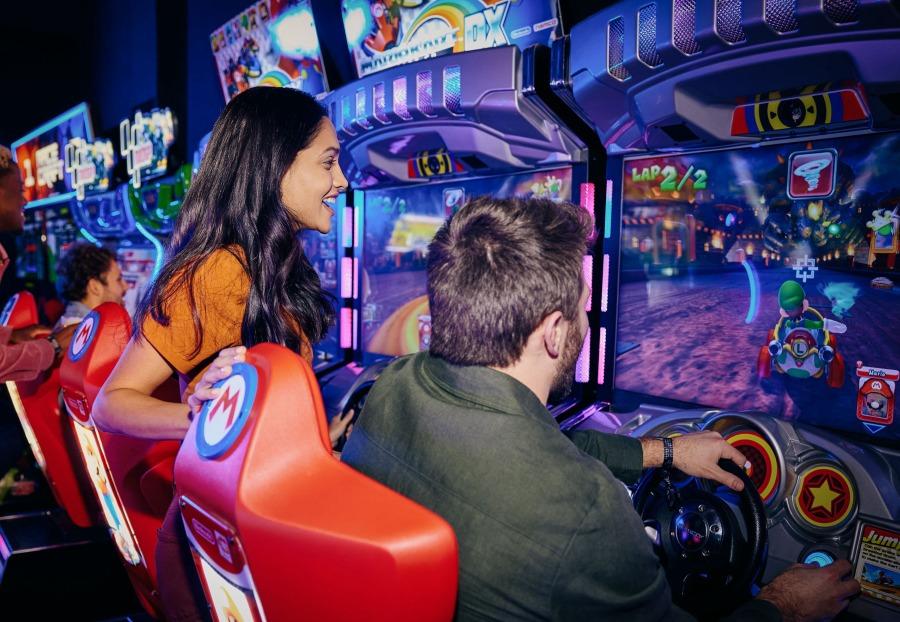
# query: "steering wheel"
{"type": "Point", "coordinates": [355, 403]}
{"type": "Point", "coordinates": [711, 563]}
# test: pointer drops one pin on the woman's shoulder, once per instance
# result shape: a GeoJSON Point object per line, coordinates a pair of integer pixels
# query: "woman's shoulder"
{"type": "Point", "coordinates": [226, 263]}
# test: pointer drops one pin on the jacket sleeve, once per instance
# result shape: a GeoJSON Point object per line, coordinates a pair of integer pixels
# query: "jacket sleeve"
{"type": "Point", "coordinates": [622, 455]}
{"type": "Point", "coordinates": [5, 334]}
{"type": "Point", "coordinates": [25, 361]}
{"type": "Point", "coordinates": [609, 571]}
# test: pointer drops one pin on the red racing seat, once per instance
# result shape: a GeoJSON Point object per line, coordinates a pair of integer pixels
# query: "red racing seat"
{"type": "Point", "coordinates": [281, 530]}
{"type": "Point", "coordinates": [132, 478]}
{"type": "Point", "coordinates": [48, 432]}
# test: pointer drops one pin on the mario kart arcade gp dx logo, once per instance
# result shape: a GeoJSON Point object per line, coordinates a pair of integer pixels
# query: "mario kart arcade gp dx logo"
{"type": "Point", "coordinates": [387, 33]}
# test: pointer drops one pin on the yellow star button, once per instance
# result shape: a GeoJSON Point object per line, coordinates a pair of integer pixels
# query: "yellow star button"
{"type": "Point", "coordinates": [823, 496]}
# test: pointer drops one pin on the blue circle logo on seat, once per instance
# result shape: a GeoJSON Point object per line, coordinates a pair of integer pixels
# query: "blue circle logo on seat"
{"type": "Point", "coordinates": [84, 336]}
{"type": "Point", "coordinates": [223, 419]}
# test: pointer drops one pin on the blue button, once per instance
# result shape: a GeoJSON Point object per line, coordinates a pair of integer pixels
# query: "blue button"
{"type": "Point", "coordinates": [819, 558]}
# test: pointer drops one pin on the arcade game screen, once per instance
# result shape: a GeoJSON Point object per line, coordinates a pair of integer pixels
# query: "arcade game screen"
{"type": "Point", "coordinates": [765, 279]}
{"type": "Point", "coordinates": [271, 43]}
{"type": "Point", "coordinates": [41, 154]}
{"type": "Point", "coordinates": [399, 224]}
{"type": "Point", "coordinates": [387, 33]}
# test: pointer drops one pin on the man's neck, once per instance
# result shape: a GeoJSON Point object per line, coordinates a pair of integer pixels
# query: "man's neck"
{"type": "Point", "coordinates": [538, 380]}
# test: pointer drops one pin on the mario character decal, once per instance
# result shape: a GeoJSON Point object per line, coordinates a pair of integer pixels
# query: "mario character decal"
{"type": "Point", "coordinates": [875, 396]}
{"type": "Point", "coordinates": [386, 18]}
{"type": "Point", "coordinates": [803, 343]}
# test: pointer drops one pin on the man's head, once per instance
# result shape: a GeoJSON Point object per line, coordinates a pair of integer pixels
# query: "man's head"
{"type": "Point", "coordinates": [12, 200]}
{"type": "Point", "coordinates": [90, 274]}
{"type": "Point", "coordinates": [505, 286]}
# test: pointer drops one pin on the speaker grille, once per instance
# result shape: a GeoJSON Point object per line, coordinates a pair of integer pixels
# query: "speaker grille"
{"type": "Point", "coordinates": [781, 15]}
{"type": "Point", "coordinates": [647, 36]}
{"type": "Point", "coordinates": [615, 50]}
{"type": "Point", "coordinates": [841, 11]}
{"type": "Point", "coordinates": [684, 23]}
{"type": "Point", "coordinates": [728, 21]}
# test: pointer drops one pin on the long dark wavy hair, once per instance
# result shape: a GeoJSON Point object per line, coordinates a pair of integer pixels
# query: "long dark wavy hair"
{"type": "Point", "coordinates": [235, 201]}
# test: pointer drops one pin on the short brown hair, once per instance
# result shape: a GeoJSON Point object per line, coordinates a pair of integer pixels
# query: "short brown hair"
{"type": "Point", "coordinates": [496, 269]}
{"type": "Point", "coordinates": [81, 263]}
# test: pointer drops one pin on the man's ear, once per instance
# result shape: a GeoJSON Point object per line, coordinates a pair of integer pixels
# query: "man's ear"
{"type": "Point", "coordinates": [94, 286]}
{"type": "Point", "coordinates": [552, 329]}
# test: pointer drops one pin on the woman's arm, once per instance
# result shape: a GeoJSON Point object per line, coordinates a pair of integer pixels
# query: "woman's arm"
{"type": "Point", "coordinates": [125, 404]}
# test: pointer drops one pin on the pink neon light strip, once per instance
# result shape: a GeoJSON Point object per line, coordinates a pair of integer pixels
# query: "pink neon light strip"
{"type": "Point", "coordinates": [586, 197]}
{"type": "Point", "coordinates": [346, 277]}
{"type": "Point", "coordinates": [604, 292]}
{"type": "Point", "coordinates": [601, 360]}
{"type": "Point", "coordinates": [355, 323]}
{"type": "Point", "coordinates": [347, 328]}
{"type": "Point", "coordinates": [583, 365]}
{"type": "Point", "coordinates": [355, 278]}
{"type": "Point", "coordinates": [587, 269]}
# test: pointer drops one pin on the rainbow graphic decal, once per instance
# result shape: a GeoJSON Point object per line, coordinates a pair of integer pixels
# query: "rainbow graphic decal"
{"type": "Point", "coordinates": [274, 78]}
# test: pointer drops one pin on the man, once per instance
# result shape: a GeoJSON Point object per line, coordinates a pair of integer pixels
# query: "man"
{"type": "Point", "coordinates": [86, 277]}
{"type": "Point", "coordinates": [27, 352]}
{"type": "Point", "coordinates": [545, 530]}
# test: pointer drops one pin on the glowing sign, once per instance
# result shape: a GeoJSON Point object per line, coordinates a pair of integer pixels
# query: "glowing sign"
{"type": "Point", "coordinates": [145, 143]}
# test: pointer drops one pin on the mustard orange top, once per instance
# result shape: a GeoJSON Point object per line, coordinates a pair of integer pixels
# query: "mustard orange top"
{"type": "Point", "coordinates": [221, 287]}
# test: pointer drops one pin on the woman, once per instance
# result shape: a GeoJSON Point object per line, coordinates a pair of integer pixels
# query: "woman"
{"type": "Point", "coordinates": [235, 274]}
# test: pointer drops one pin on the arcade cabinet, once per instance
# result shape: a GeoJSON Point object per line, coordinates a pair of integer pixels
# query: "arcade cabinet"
{"type": "Point", "coordinates": [750, 239]}
{"type": "Point", "coordinates": [421, 135]}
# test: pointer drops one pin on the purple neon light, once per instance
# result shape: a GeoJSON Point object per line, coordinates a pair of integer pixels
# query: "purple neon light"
{"type": "Point", "coordinates": [355, 330]}
{"type": "Point", "coordinates": [601, 361]}
{"type": "Point", "coordinates": [347, 328]}
{"type": "Point", "coordinates": [355, 278]}
{"type": "Point", "coordinates": [587, 271]}
{"type": "Point", "coordinates": [347, 228]}
{"type": "Point", "coordinates": [604, 287]}
{"type": "Point", "coordinates": [453, 89]}
{"type": "Point", "coordinates": [424, 93]}
{"type": "Point", "coordinates": [346, 277]}
{"type": "Point", "coordinates": [583, 365]}
{"type": "Point", "coordinates": [379, 107]}
{"type": "Point", "coordinates": [400, 108]}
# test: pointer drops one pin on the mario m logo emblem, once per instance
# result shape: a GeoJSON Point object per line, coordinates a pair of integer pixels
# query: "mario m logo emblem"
{"type": "Point", "coordinates": [222, 420]}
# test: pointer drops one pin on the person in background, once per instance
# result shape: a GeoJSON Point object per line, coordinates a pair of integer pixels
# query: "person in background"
{"type": "Point", "coordinates": [25, 352]}
{"type": "Point", "coordinates": [86, 277]}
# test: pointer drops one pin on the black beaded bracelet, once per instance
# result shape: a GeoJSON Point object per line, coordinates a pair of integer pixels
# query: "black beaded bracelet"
{"type": "Point", "coordinates": [668, 453]}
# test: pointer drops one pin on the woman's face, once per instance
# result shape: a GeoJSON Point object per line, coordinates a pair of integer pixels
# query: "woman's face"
{"type": "Point", "coordinates": [314, 180]}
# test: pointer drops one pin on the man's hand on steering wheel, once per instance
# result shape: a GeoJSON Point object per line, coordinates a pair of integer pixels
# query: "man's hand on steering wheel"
{"type": "Point", "coordinates": [698, 454]}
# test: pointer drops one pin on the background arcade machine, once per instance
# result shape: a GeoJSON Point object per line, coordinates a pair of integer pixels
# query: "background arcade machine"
{"type": "Point", "coordinates": [154, 194]}
{"type": "Point", "coordinates": [49, 185]}
{"type": "Point", "coordinates": [275, 43]}
{"type": "Point", "coordinates": [751, 238]}
{"type": "Point", "coordinates": [421, 136]}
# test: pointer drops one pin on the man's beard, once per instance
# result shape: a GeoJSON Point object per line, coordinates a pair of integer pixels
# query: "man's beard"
{"type": "Point", "coordinates": [565, 370]}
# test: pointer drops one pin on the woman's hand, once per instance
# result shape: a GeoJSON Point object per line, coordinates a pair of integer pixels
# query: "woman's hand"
{"type": "Point", "coordinates": [339, 426]}
{"type": "Point", "coordinates": [218, 370]}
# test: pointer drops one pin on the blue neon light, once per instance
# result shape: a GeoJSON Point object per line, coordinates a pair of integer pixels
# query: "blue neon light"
{"type": "Point", "coordinates": [157, 266]}
{"type": "Point", "coordinates": [819, 558]}
{"type": "Point", "coordinates": [87, 236]}
{"type": "Point", "coordinates": [753, 279]}
{"type": "Point", "coordinates": [59, 198]}
{"type": "Point", "coordinates": [80, 109]}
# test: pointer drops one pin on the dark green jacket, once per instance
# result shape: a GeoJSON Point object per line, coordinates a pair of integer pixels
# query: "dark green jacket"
{"type": "Point", "coordinates": [545, 530]}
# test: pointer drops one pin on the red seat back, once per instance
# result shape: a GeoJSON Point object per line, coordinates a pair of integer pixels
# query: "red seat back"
{"type": "Point", "coordinates": [132, 477]}
{"type": "Point", "coordinates": [277, 523]}
{"type": "Point", "coordinates": [48, 432]}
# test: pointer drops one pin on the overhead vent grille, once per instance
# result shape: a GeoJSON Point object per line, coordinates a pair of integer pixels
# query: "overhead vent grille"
{"type": "Point", "coordinates": [781, 15]}
{"type": "Point", "coordinates": [728, 21]}
{"type": "Point", "coordinates": [841, 11]}
{"type": "Point", "coordinates": [684, 19]}
{"type": "Point", "coordinates": [647, 52]}
{"type": "Point", "coordinates": [615, 49]}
